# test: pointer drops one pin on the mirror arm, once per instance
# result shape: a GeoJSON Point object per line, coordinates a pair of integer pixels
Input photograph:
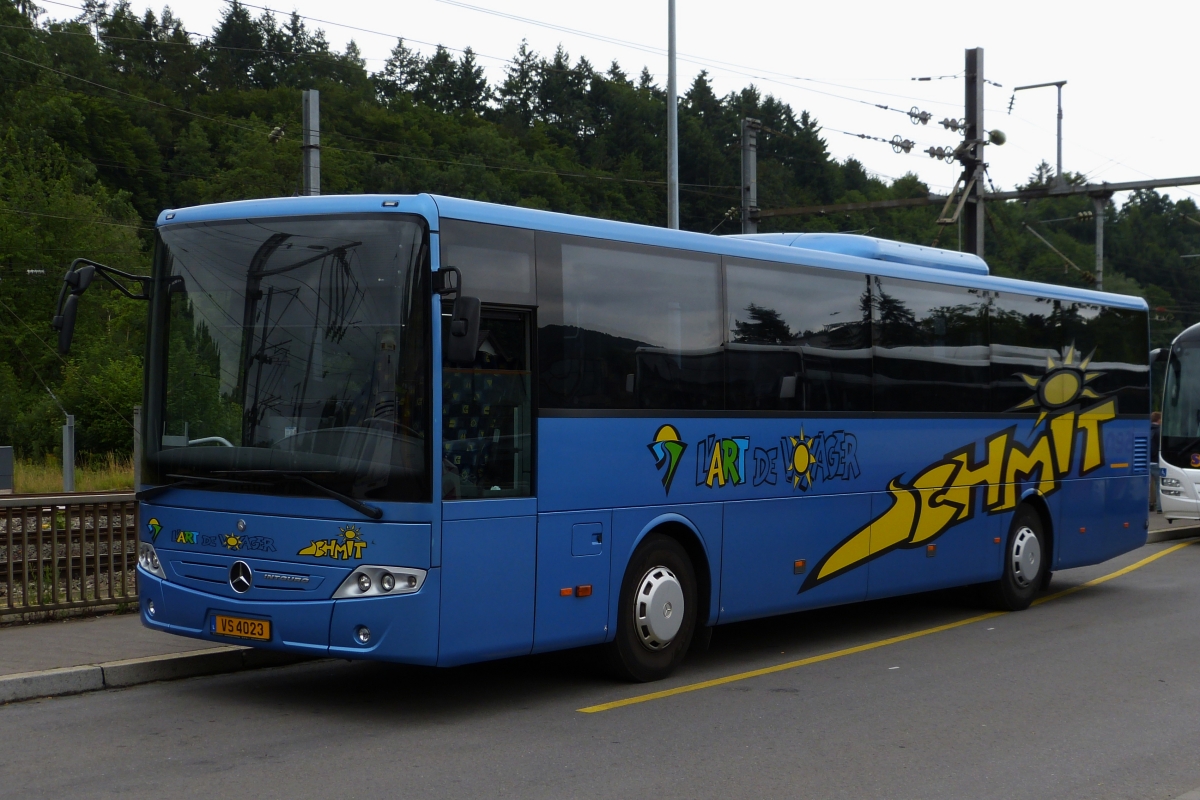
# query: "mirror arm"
{"type": "Point", "coordinates": [144, 280]}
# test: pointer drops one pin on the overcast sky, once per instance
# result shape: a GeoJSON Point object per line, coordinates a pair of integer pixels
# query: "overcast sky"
{"type": "Point", "coordinates": [1130, 108]}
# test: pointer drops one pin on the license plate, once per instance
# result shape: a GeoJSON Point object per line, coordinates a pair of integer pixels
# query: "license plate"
{"type": "Point", "coordinates": [241, 628]}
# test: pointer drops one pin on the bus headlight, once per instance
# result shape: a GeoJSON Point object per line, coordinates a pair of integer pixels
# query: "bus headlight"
{"type": "Point", "coordinates": [148, 560]}
{"type": "Point", "coordinates": [1172, 482]}
{"type": "Point", "coordinates": [373, 581]}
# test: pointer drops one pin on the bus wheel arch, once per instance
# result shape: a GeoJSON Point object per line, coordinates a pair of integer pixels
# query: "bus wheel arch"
{"type": "Point", "coordinates": [1025, 563]}
{"type": "Point", "coordinates": [662, 603]}
{"type": "Point", "coordinates": [685, 533]}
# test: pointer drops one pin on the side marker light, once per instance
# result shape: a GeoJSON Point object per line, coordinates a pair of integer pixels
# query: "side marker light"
{"type": "Point", "coordinates": [1083, 530]}
{"type": "Point", "coordinates": [930, 550]}
{"type": "Point", "coordinates": [566, 592]}
{"type": "Point", "coordinates": [798, 567]}
{"type": "Point", "coordinates": [1126, 524]}
{"type": "Point", "coordinates": [584, 590]}
{"type": "Point", "coordinates": [996, 540]}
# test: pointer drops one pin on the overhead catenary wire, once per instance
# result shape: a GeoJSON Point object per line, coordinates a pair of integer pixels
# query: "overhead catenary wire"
{"type": "Point", "coordinates": [915, 114]}
{"type": "Point", "coordinates": [723, 65]}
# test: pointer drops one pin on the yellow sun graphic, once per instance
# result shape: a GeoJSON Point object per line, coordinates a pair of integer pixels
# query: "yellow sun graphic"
{"type": "Point", "coordinates": [802, 460]}
{"type": "Point", "coordinates": [349, 533]}
{"type": "Point", "coordinates": [1066, 380]}
{"type": "Point", "coordinates": [231, 541]}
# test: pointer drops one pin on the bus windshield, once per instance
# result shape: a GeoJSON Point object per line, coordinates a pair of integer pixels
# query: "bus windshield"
{"type": "Point", "coordinates": [1181, 404]}
{"type": "Point", "coordinates": [291, 355]}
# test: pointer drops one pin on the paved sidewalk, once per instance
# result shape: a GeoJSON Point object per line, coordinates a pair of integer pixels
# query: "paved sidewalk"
{"type": "Point", "coordinates": [83, 655]}
{"type": "Point", "coordinates": [95, 640]}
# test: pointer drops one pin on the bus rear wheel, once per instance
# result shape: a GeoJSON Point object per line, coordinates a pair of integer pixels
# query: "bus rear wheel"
{"type": "Point", "coordinates": [1025, 569]}
{"type": "Point", "coordinates": [656, 613]}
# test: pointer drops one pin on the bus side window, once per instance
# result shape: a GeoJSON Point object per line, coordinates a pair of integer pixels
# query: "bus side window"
{"type": "Point", "coordinates": [496, 262]}
{"type": "Point", "coordinates": [627, 326]}
{"type": "Point", "coordinates": [796, 338]}
{"type": "Point", "coordinates": [1118, 341]}
{"type": "Point", "coordinates": [1024, 332]}
{"type": "Point", "coordinates": [931, 347]}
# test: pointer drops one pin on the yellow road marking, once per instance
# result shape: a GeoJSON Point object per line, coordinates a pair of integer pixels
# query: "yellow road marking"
{"type": "Point", "coordinates": [862, 648]}
{"type": "Point", "coordinates": [1111, 575]}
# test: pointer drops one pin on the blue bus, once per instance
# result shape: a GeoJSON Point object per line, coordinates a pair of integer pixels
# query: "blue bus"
{"type": "Point", "coordinates": [436, 431]}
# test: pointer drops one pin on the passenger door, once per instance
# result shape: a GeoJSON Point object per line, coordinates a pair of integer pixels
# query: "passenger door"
{"type": "Point", "coordinates": [489, 514]}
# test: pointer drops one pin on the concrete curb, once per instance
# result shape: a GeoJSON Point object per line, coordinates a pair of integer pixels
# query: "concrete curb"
{"type": "Point", "coordinates": [131, 672]}
{"type": "Point", "coordinates": [1167, 534]}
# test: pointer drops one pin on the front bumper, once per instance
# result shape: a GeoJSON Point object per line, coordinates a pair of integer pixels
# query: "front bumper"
{"type": "Point", "coordinates": [404, 628]}
{"type": "Point", "coordinates": [1180, 501]}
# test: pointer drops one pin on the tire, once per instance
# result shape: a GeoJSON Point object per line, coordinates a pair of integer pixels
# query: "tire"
{"type": "Point", "coordinates": [1026, 571]}
{"type": "Point", "coordinates": [649, 644]}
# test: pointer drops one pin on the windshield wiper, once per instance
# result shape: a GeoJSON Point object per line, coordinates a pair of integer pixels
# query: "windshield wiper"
{"type": "Point", "coordinates": [366, 510]}
{"type": "Point", "coordinates": [189, 480]}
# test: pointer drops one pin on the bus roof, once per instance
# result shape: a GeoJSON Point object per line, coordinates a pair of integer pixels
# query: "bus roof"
{"type": "Point", "coordinates": [433, 207]}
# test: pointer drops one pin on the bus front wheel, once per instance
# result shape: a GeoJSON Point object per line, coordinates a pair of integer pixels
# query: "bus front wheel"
{"type": "Point", "coordinates": [1025, 569]}
{"type": "Point", "coordinates": [656, 613]}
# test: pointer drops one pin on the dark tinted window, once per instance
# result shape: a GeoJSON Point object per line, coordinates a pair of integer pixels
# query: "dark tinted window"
{"type": "Point", "coordinates": [624, 326]}
{"type": "Point", "coordinates": [798, 338]}
{"type": "Point", "coordinates": [1025, 334]}
{"type": "Point", "coordinates": [931, 352]}
{"type": "Point", "coordinates": [1032, 336]}
{"type": "Point", "coordinates": [496, 262]}
{"type": "Point", "coordinates": [1116, 343]}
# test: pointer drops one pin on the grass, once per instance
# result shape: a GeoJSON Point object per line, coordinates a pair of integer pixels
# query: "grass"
{"type": "Point", "coordinates": [110, 473]}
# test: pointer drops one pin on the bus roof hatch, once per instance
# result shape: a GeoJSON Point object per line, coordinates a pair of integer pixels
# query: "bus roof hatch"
{"type": "Point", "coordinates": [879, 249]}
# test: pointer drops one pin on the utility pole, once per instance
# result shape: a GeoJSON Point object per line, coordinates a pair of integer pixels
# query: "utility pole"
{"type": "Point", "coordinates": [311, 146]}
{"type": "Point", "coordinates": [137, 448]}
{"type": "Point", "coordinates": [68, 454]}
{"type": "Point", "coordinates": [1058, 175]}
{"type": "Point", "coordinates": [672, 125]}
{"type": "Point", "coordinates": [750, 129]}
{"type": "Point", "coordinates": [972, 153]}
{"type": "Point", "coordinates": [1100, 202]}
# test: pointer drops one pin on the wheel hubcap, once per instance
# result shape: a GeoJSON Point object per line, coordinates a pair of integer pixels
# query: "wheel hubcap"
{"type": "Point", "coordinates": [1026, 557]}
{"type": "Point", "coordinates": [658, 608]}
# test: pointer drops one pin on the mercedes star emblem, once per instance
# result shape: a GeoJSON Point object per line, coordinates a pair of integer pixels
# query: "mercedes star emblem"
{"type": "Point", "coordinates": [241, 577]}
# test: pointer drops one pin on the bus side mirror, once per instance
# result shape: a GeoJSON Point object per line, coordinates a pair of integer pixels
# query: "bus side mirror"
{"type": "Point", "coordinates": [463, 342]}
{"type": "Point", "coordinates": [65, 323]}
{"type": "Point", "coordinates": [75, 283]}
{"type": "Point", "coordinates": [1155, 355]}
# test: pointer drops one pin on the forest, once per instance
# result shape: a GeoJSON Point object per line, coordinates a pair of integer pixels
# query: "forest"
{"type": "Point", "coordinates": [114, 115]}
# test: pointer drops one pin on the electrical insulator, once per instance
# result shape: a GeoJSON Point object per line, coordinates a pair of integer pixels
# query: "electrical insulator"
{"type": "Point", "coordinates": [943, 153]}
{"type": "Point", "coordinates": [275, 135]}
{"type": "Point", "coordinates": [917, 115]}
{"type": "Point", "coordinates": [902, 145]}
{"type": "Point", "coordinates": [1084, 215]}
{"type": "Point", "coordinates": [954, 125]}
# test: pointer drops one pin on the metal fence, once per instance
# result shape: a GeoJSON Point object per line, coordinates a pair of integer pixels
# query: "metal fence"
{"type": "Point", "coordinates": [67, 551]}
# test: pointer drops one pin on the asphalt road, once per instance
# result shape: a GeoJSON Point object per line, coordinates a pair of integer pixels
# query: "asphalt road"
{"type": "Point", "coordinates": [1093, 694]}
